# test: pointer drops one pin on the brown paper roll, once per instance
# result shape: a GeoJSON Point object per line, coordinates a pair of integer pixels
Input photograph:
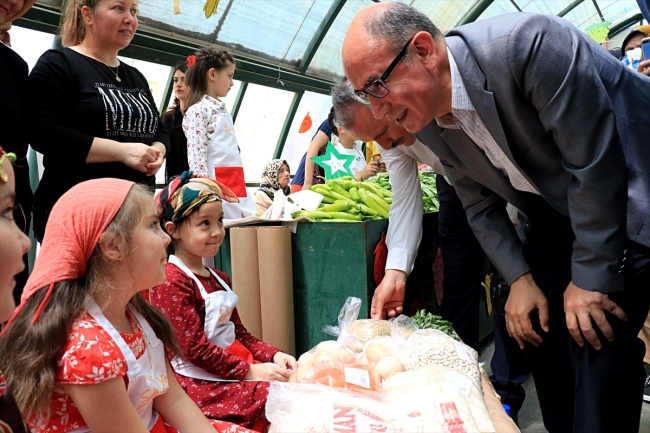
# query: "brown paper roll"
{"type": "Point", "coordinates": [246, 278]}
{"type": "Point", "coordinates": [276, 287]}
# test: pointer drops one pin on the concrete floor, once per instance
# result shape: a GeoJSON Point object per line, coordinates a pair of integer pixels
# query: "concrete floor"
{"type": "Point", "coordinates": [530, 417]}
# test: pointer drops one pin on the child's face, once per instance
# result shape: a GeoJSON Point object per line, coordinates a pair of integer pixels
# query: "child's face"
{"type": "Point", "coordinates": [13, 243]}
{"type": "Point", "coordinates": [149, 250]}
{"type": "Point", "coordinates": [203, 232]}
{"type": "Point", "coordinates": [221, 81]}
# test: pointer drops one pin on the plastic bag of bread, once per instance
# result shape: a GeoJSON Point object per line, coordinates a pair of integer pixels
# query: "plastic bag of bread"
{"type": "Point", "coordinates": [353, 333]}
{"type": "Point", "coordinates": [438, 378]}
{"type": "Point", "coordinates": [339, 375]}
{"type": "Point", "coordinates": [324, 351]}
{"type": "Point", "coordinates": [320, 409]}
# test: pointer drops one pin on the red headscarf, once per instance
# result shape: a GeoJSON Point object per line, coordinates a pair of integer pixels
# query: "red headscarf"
{"type": "Point", "coordinates": [75, 224]}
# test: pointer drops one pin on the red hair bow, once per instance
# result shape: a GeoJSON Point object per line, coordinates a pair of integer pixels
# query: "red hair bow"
{"type": "Point", "coordinates": [190, 61]}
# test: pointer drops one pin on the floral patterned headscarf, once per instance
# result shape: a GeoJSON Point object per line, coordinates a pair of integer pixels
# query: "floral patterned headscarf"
{"type": "Point", "coordinates": [270, 178]}
{"type": "Point", "coordinates": [186, 193]}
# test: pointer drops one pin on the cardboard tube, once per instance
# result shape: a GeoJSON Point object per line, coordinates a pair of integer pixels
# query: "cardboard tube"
{"type": "Point", "coordinates": [246, 278]}
{"type": "Point", "coordinates": [276, 287]}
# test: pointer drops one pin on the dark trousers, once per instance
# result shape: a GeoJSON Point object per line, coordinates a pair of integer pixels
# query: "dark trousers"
{"type": "Point", "coordinates": [581, 389]}
{"type": "Point", "coordinates": [509, 365]}
{"type": "Point", "coordinates": [463, 260]}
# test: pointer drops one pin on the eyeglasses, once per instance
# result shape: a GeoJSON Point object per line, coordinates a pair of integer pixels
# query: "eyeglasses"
{"type": "Point", "coordinates": [378, 88]}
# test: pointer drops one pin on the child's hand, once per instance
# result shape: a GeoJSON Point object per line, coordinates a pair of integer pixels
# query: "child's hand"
{"type": "Point", "coordinates": [268, 371]}
{"type": "Point", "coordinates": [284, 360]}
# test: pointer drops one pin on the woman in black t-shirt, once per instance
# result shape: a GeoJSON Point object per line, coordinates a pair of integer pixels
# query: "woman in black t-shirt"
{"type": "Point", "coordinates": [176, 161]}
{"type": "Point", "coordinates": [93, 116]}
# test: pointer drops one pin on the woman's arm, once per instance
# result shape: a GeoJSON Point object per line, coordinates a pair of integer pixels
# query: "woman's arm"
{"type": "Point", "coordinates": [178, 409]}
{"type": "Point", "coordinates": [120, 415]}
{"type": "Point", "coordinates": [138, 156]}
{"type": "Point", "coordinates": [316, 144]}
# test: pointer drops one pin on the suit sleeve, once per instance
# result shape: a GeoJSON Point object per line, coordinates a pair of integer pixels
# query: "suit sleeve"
{"type": "Point", "coordinates": [405, 227]}
{"type": "Point", "coordinates": [554, 68]}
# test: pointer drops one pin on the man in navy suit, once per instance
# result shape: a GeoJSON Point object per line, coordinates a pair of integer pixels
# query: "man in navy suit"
{"type": "Point", "coordinates": [526, 109]}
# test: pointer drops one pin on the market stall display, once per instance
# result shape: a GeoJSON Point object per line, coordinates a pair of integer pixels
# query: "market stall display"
{"type": "Point", "coordinates": [385, 376]}
{"type": "Point", "coordinates": [427, 185]}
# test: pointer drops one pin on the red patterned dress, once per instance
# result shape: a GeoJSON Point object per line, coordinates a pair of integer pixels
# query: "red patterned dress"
{"type": "Point", "coordinates": [240, 402]}
{"type": "Point", "coordinates": [91, 356]}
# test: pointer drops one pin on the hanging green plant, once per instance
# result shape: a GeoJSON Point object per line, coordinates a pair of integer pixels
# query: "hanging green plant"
{"type": "Point", "coordinates": [210, 8]}
{"type": "Point", "coordinates": [599, 32]}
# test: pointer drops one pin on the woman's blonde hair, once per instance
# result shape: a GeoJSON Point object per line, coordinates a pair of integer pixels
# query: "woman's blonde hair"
{"type": "Point", "coordinates": [73, 29]}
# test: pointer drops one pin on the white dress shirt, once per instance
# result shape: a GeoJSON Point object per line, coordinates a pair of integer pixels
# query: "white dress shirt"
{"type": "Point", "coordinates": [465, 117]}
{"type": "Point", "coordinates": [405, 223]}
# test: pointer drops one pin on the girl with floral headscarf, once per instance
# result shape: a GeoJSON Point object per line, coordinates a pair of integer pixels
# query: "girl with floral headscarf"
{"type": "Point", "coordinates": [275, 177]}
{"type": "Point", "coordinates": [224, 369]}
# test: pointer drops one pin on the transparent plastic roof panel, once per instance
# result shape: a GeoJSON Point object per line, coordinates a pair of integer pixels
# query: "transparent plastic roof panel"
{"type": "Point", "coordinates": [327, 60]}
{"type": "Point", "coordinates": [275, 30]}
{"type": "Point", "coordinates": [618, 10]}
{"type": "Point", "coordinates": [445, 14]}
{"type": "Point", "coordinates": [498, 7]}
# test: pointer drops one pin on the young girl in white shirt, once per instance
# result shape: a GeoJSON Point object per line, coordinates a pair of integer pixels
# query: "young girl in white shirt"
{"type": "Point", "coordinates": [212, 147]}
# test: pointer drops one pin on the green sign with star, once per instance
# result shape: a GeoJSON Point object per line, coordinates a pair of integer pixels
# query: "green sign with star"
{"type": "Point", "coordinates": [334, 163]}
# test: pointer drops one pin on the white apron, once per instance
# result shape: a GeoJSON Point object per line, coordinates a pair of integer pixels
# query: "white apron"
{"type": "Point", "coordinates": [226, 165]}
{"type": "Point", "coordinates": [218, 328]}
{"type": "Point", "coordinates": [147, 376]}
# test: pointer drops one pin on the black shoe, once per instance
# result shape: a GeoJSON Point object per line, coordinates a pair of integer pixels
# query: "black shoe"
{"type": "Point", "coordinates": [646, 390]}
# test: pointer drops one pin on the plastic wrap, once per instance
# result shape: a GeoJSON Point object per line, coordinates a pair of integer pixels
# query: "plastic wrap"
{"type": "Point", "coordinates": [440, 379]}
{"type": "Point", "coordinates": [339, 375]}
{"type": "Point", "coordinates": [430, 346]}
{"type": "Point", "coordinates": [321, 409]}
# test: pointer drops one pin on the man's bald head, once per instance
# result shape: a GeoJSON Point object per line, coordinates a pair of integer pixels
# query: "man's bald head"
{"type": "Point", "coordinates": [401, 54]}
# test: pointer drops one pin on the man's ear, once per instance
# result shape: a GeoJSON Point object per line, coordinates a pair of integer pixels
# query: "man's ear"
{"type": "Point", "coordinates": [111, 248]}
{"type": "Point", "coordinates": [425, 48]}
{"type": "Point", "coordinates": [170, 228]}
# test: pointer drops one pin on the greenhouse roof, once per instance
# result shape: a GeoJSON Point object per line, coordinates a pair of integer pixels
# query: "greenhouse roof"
{"type": "Point", "coordinates": [298, 42]}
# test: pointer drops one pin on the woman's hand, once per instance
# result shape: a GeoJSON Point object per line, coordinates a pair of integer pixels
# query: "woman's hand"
{"type": "Point", "coordinates": [284, 360]}
{"type": "Point", "coordinates": [267, 371]}
{"type": "Point", "coordinates": [138, 156]}
{"type": "Point", "coordinates": [153, 167]}
{"type": "Point", "coordinates": [368, 171]}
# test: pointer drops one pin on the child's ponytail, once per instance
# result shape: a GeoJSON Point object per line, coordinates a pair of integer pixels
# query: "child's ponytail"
{"type": "Point", "coordinates": [196, 76]}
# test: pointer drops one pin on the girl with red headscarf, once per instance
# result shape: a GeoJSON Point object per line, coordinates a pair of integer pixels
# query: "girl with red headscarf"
{"type": "Point", "coordinates": [84, 352]}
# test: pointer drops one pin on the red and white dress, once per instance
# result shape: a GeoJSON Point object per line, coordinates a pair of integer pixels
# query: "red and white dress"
{"type": "Point", "coordinates": [212, 150]}
{"type": "Point", "coordinates": [241, 402]}
{"type": "Point", "coordinates": [92, 356]}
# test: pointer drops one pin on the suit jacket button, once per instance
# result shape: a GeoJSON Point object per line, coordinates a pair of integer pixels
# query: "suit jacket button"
{"type": "Point", "coordinates": [620, 272]}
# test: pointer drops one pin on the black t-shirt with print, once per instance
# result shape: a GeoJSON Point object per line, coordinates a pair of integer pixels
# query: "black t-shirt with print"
{"type": "Point", "coordinates": [74, 99]}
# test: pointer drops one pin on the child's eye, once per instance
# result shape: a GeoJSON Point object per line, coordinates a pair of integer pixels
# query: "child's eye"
{"type": "Point", "coordinates": [221, 220]}
{"type": "Point", "coordinates": [8, 213]}
{"type": "Point", "coordinates": [205, 223]}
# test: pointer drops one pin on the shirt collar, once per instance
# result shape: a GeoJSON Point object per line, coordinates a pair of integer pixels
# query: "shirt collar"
{"type": "Point", "coordinates": [459, 97]}
{"type": "Point", "coordinates": [213, 101]}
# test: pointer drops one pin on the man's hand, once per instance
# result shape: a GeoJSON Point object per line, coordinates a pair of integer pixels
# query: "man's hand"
{"type": "Point", "coordinates": [580, 306]}
{"type": "Point", "coordinates": [389, 295]}
{"type": "Point", "coordinates": [525, 297]}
